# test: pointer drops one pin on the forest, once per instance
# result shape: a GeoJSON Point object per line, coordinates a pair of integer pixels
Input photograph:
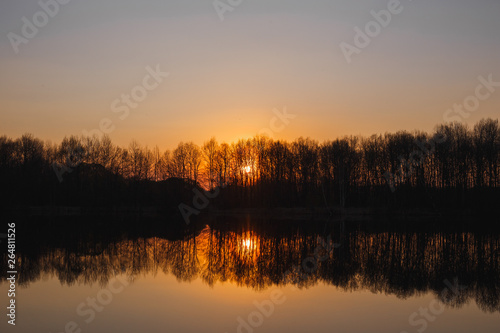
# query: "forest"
{"type": "Point", "coordinates": [454, 167]}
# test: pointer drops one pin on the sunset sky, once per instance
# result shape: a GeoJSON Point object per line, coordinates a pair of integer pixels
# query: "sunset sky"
{"type": "Point", "coordinates": [226, 76]}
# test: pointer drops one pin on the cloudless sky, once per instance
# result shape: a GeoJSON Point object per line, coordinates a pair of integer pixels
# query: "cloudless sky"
{"type": "Point", "coordinates": [226, 77]}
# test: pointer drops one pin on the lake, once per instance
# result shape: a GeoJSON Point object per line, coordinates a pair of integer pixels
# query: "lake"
{"type": "Point", "coordinates": [253, 274]}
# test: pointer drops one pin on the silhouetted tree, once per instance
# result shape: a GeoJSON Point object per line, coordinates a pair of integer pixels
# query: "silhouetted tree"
{"type": "Point", "coordinates": [454, 166]}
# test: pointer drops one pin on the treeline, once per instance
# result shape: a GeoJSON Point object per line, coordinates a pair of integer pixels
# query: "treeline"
{"type": "Point", "coordinates": [453, 166]}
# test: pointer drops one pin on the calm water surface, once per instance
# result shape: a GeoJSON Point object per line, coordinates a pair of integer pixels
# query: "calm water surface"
{"type": "Point", "coordinates": [244, 276]}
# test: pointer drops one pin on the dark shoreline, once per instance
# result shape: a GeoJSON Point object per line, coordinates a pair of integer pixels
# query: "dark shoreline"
{"type": "Point", "coordinates": [297, 213]}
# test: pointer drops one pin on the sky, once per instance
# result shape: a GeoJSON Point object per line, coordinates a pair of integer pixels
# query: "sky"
{"type": "Point", "coordinates": [232, 69]}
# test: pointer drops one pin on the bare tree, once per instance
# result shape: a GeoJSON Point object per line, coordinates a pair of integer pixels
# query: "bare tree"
{"type": "Point", "coordinates": [210, 150]}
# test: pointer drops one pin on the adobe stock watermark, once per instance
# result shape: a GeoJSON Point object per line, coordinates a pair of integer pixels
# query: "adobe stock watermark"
{"type": "Point", "coordinates": [122, 105]}
{"type": "Point", "coordinates": [277, 123]}
{"type": "Point", "coordinates": [471, 103]}
{"type": "Point", "coordinates": [420, 320]}
{"type": "Point", "coordinates": [87, 310]}
{"type": "Point", "coordinates": [263, 310]}
{"type": "Point", "coordinates": [266, 308]}
{"type": "Point", "coordinates": [483, 91]}
{"type": "Point", "coordinates": [223, 6]}
{"type": "Point", "coordinates": [372, 29]}
{"type": "Point", "coordinates": [73, 158]}
{"type": "Point", "coordinates": [201, 199]}
{"type": "Point", "coordinates": [30, 28]}
{"type": "Point", "coordinates": [125, 102]}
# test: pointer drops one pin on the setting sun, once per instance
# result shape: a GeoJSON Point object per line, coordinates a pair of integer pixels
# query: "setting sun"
{"type": "Point", "coordinates": [244, 166]}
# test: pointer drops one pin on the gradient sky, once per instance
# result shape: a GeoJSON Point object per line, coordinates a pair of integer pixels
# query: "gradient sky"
{"type": "Point", "coordinates": [225, 77]}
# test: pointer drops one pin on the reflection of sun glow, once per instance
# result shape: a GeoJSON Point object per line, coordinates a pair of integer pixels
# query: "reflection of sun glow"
{"type": "Point", "coordinates": [247, 243]}
{"type": "Point", "coordinates": [247, 169]}
{"type": "Point", "coordinates": [249, 247]}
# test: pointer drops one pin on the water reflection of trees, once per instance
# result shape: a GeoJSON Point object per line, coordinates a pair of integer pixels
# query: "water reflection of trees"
{"type": "Point", "coordinates": [403, 264]}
